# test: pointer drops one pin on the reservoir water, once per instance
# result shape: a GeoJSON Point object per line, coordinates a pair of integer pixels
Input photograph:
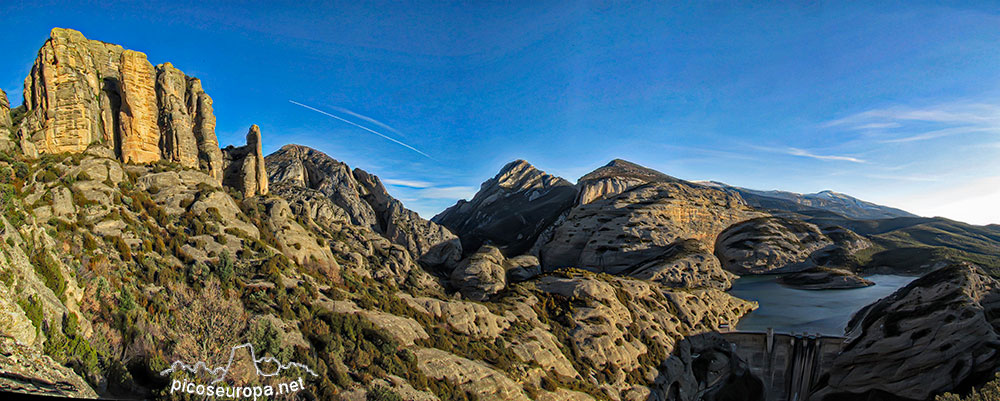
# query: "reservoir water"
{"type": "Point", "coordinates": [792, 310]}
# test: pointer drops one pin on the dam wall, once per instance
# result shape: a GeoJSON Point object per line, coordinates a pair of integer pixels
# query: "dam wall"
{"type": "Point", "coordinates": [788, 364]}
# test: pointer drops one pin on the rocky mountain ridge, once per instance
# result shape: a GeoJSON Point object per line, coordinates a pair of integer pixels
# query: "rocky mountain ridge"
{"type": "Point", "coordinates": [129, 240]}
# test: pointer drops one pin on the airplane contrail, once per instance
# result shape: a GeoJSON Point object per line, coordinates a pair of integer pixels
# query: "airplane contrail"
{"type": "Point", "coordinates": [368, 119]}
{"type": "Point", "coordinates": [363, 127]}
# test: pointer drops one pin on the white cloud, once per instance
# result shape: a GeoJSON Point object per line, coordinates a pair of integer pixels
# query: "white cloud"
{"type": "Point", "coordinates": [456, 192]}
{"type": "Point", "coordinates": [804, 153]}
{"type": "Point", "coordinates": [407, 183]}
{"type": "Point", "coordinates": [911, 124]}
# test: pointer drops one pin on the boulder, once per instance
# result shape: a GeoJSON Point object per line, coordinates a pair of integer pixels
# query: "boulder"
{"type": "Point", "coordinates": [481, 275]}
{"type": "Point", "coordinates": [940, 333]}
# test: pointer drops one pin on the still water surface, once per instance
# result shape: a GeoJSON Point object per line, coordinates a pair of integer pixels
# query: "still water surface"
{"type": "Point", "coordinates": [816, 311]}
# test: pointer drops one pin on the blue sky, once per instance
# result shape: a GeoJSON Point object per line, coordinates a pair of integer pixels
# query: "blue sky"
{"type": "Point", "coordinates": [896, 103]}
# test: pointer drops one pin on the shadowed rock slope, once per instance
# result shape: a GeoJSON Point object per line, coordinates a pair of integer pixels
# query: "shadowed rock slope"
{"type": "Point", "coordinates": [510, 210]}
{"type": "Point", "coordinates": [939, 333]}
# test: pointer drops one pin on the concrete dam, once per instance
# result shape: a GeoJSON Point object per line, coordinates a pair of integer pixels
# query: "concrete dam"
{"type": "Point", "coordinates": [787, 364]}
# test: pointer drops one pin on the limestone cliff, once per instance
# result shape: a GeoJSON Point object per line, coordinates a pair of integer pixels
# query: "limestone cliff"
{"type": "Point", "coordinates": [81, 92]}
{"type": "Point", "coordinates": [71, 94]}
{"type": "Point", "coordinates": [5, 123]}
{"type": "Point", "coordinates": [243, 167]}
{"type": "Point", "coordinates": [138, 133]}
{"type": "Point", "coordinates": [510, 210]}
{"type": "Point", "coordinates": [187, 122]}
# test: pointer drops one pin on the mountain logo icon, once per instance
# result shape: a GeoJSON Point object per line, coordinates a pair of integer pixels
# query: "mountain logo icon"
{"type": "Point", "coordinates": [221, 372]}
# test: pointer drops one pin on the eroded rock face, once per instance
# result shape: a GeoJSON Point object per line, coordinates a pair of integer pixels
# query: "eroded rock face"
{"type": "Point", "coordinates": [365, 201]}
{"type": "Point", "coordinates": [686, 264]}
{"type": "Point", "coordinates": [187, 122]}
{"type": "Point", "coordinates": [244, 166]}
{"type": "Point", "coordinates": [432, 243]}
{"type": "Point", "coordinates": [618, 233]}
{"type": "Point", "coordinates": [309, 168]}
{"type": "Point", "coordinates": [6, 127]}
{"type": "Point", "coordinates": [510, 210]}
{"type": "Point", "coordinates": [612, 319]}
{"type": "Point", "coordinates": [27, 370]}
{"type": "Point", "coordinates": [782, 245]}
{"type": "Point", "coordinates": [84, 91]}
{"type": "Point", "coordinates": [481, 275]}
{"type": "Point", "coordinates": [704, 367]}
{"type": "Point", "coordinates": [471, 376]}
{"type": "Point", "coordinates": [616, 177]}
{"type": "Point", "coordinates": [939, 333]}
{"type": "Point", "coordinates": [139, 133]}
{"type": "Point", "coordinates": [5, 123]}
{"type": "Point", "coordinates": [71, 94]}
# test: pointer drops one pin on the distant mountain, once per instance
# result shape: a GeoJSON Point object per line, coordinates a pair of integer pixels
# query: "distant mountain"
{"type": "Point", "coordinates": [844, 205]}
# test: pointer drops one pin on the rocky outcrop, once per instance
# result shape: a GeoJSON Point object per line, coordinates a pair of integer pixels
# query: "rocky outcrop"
{"type": "Point", "coordinates": [432, 243]}
{"type": "Point", "coordinates": [469, 318]}
{"type": "Point", "coordinates": [481, 275]}
{"type": "Point", "coordinates": [470, 376]}
{"type": "Point", "coordinates": [364, 201]}
{"type": "Point", "coordinates": [72, 95]}
{"type": "Point", "coordinates": [25, 370]}
{"type": "Point", "coordinates": [705, 367]}
{"type": "Point", "coordinates": [6, 127]}
{"type": "Point", "coordinates": [510, 210]}
{"type": "Point", "coordinates": [244, 166]}
{"type": "Point", "coordinates": [5, 124]}
{"type": "Point", "coordinates": [486, 272]}
{"type": "Point", "coordinates": [619, 233]}
{"type": "Point", "coordinates": [616, 177]}
{"type": "Point", "coordinates": [824, 278]}
{"type": "Point", "coordinates": [139, 133]}
{"type": "Point", "coordinates": [685, 264]}
{"type": "Point", "coordinates": [939, 333]}
{"type": "Point", "coordinates": [82, 92]}
{"type": "Point", "coordinates": [187, 122]}
{"type": "Point", "coordinates": [782, 245]}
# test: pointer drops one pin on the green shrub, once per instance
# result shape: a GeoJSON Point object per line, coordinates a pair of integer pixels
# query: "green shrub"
{"type": "Point", "coordinates": [49, 176]}
{"type": "Point", "coordinates": [50, 271]}
{"type": "Point", "coordinates": [380, 393]}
